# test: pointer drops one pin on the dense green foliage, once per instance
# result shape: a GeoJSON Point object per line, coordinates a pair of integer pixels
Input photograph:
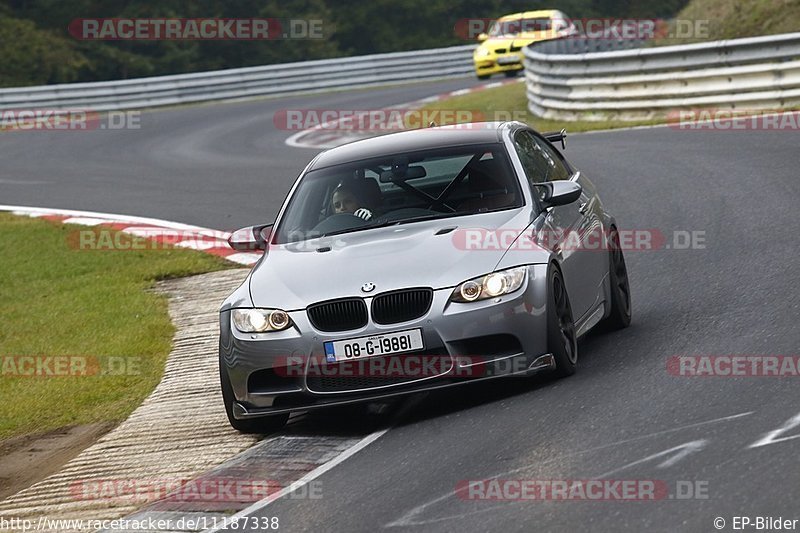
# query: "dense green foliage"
{"type": "Point", "coordinates": [37, 49]}
{"type": "Point", "coordinates": [730, 19]}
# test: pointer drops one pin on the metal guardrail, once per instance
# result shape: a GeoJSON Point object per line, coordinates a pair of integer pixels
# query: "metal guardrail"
{"type": "Point", "coordinates": [573, 79]}
{"type": "Point", "coordinates": [270, 80]}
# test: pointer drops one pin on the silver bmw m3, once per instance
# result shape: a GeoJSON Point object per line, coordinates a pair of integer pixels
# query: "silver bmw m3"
{"type": "Point", "coordinates": [418, 260]}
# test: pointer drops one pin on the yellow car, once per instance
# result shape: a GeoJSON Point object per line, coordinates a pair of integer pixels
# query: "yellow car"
{"type": "Point", "coordinates": [501, 47]}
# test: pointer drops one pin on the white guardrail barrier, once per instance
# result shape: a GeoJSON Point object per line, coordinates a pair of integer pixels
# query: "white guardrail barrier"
{"type": "Point", "coordinates": [573, 79]}
{"type": "Point", "coordinates": [270, 80]}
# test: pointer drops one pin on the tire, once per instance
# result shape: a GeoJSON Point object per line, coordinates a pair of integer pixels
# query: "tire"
{"type": "Point", "coordinates": [561, 339]}
{"type": "Point", "coordinates": [511, 73]}
{"type": "Point", "coordinates": [484, 76]}
{"type": "Point", "coordinates": [260, 425]}
{"type": "Point", "coordinates": [620, 299]}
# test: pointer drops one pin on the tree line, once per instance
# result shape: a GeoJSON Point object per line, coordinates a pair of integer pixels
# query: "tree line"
{"type": "Point", "coordinates": [36, 47]}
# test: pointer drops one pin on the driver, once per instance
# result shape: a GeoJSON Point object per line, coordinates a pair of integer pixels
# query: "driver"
{"type": "Point", "coordinates": [345, 199]}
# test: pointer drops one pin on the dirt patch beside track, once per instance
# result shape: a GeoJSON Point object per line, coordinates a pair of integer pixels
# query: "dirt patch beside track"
{"type": "Point", "coordinates": [27, 459]}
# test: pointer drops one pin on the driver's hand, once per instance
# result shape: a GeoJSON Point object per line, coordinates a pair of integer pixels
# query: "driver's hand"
{"type": "Point", "coordinates": [366, 214]}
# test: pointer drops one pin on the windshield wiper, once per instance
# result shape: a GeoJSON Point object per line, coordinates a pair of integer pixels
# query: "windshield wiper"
{"type": "Point", "coordinates": [387, 223]}
{"type": "Point", "coordinates": [421, 218]}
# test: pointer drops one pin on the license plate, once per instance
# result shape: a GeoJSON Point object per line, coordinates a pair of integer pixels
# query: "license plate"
{"type": "Point", "coordinates": [507, 60]}
{"type": "Point", "coordinates": [363, 347]}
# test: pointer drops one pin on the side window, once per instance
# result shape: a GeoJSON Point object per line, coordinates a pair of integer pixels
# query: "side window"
{"type": "Point", "coordinates": [540, 161]}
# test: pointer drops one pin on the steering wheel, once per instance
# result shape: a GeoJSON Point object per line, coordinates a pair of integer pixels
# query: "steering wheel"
{"type": "Point", "coordinates": [339, 222]}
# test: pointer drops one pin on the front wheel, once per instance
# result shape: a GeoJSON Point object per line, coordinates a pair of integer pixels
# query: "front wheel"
{"type": "Point", "coordinates": [511, 73]}
{"type": "Point", "coordinates": [484, 76]}
{"type": "Point", "coordinates": [259, 425]}
{"type": "Point", "coordinates": [561, 339]}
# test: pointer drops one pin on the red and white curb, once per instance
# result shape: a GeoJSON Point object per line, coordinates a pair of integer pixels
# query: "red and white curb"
{"type": "Point", "coordinates": [179, 437]}
{"type": "Point", "coordinates": [177, 234]}
{"type": "Point", "coordinates": [338, 132]}
{"type": "Point", "coordinates": [461, 92]}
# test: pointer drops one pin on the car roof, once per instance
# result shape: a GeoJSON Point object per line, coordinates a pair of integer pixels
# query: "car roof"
{"type": "Point", "coordinates": [542, 13]}
{"type": "Point", "coordinates": [411, 141]}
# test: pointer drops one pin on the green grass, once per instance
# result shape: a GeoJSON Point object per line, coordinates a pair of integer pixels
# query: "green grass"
{"type": "Point", "coordinates": [58, 300]}
{"type": "Point", "coordinates": [726, 19]}
{"type": "Point", "coordinates": [733, 19]}
{"type": "Point", "coordinates": [509, 102]}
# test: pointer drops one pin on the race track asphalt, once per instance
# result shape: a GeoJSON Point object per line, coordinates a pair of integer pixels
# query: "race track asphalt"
{"type": "Point", "coordinates": [623, 416]}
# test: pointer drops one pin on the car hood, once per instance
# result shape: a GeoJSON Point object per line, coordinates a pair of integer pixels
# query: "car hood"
{"type": "Point", "coordinates": [517, 42]}
{"type": "Point", "coordinates": [420, 254]}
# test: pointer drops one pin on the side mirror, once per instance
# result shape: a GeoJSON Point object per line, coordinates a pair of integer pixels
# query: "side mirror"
{"type": "Point", "coordinates": [482, 37]}
{"type": "Point", "coordinates": [251, 238]}
{"type": "Point", "coordinates": [553, 193]}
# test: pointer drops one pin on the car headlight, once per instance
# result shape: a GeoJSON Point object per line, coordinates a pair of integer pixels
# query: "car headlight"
{"type": "Point", "coordinates": [260, 320]}
{"type": "Point", "coordinates": [490, 285]}
{"type": "Point", "coordinates": [482, 52]}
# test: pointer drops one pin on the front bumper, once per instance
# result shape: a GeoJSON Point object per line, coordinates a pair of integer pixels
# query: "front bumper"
{"type": "Point", "coordinates": [497, 63]}
{"type": "Point", "coordinates": [279, 372]}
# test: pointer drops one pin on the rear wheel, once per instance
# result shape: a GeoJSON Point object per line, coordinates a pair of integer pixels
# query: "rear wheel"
{"type": "Point", "coordinates": [511, 73]}
{"type": "Point", "coordinates": [561, 339]}
{"type": "Point", "coordinates": [259, 425]}
{"type": "Point", "coordinates": [484, 76]}
{"type": "Point", "coordinates": [620, 298]}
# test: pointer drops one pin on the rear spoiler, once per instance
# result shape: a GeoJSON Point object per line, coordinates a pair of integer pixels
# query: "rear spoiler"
{"type": "Point", "coordinates": [556, 136]}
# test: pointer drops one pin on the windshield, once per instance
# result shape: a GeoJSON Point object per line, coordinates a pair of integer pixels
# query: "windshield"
{"type": "Point", "coordinates": [400, 189]}
{"type": "Point", "coordinates": [516, 26]}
